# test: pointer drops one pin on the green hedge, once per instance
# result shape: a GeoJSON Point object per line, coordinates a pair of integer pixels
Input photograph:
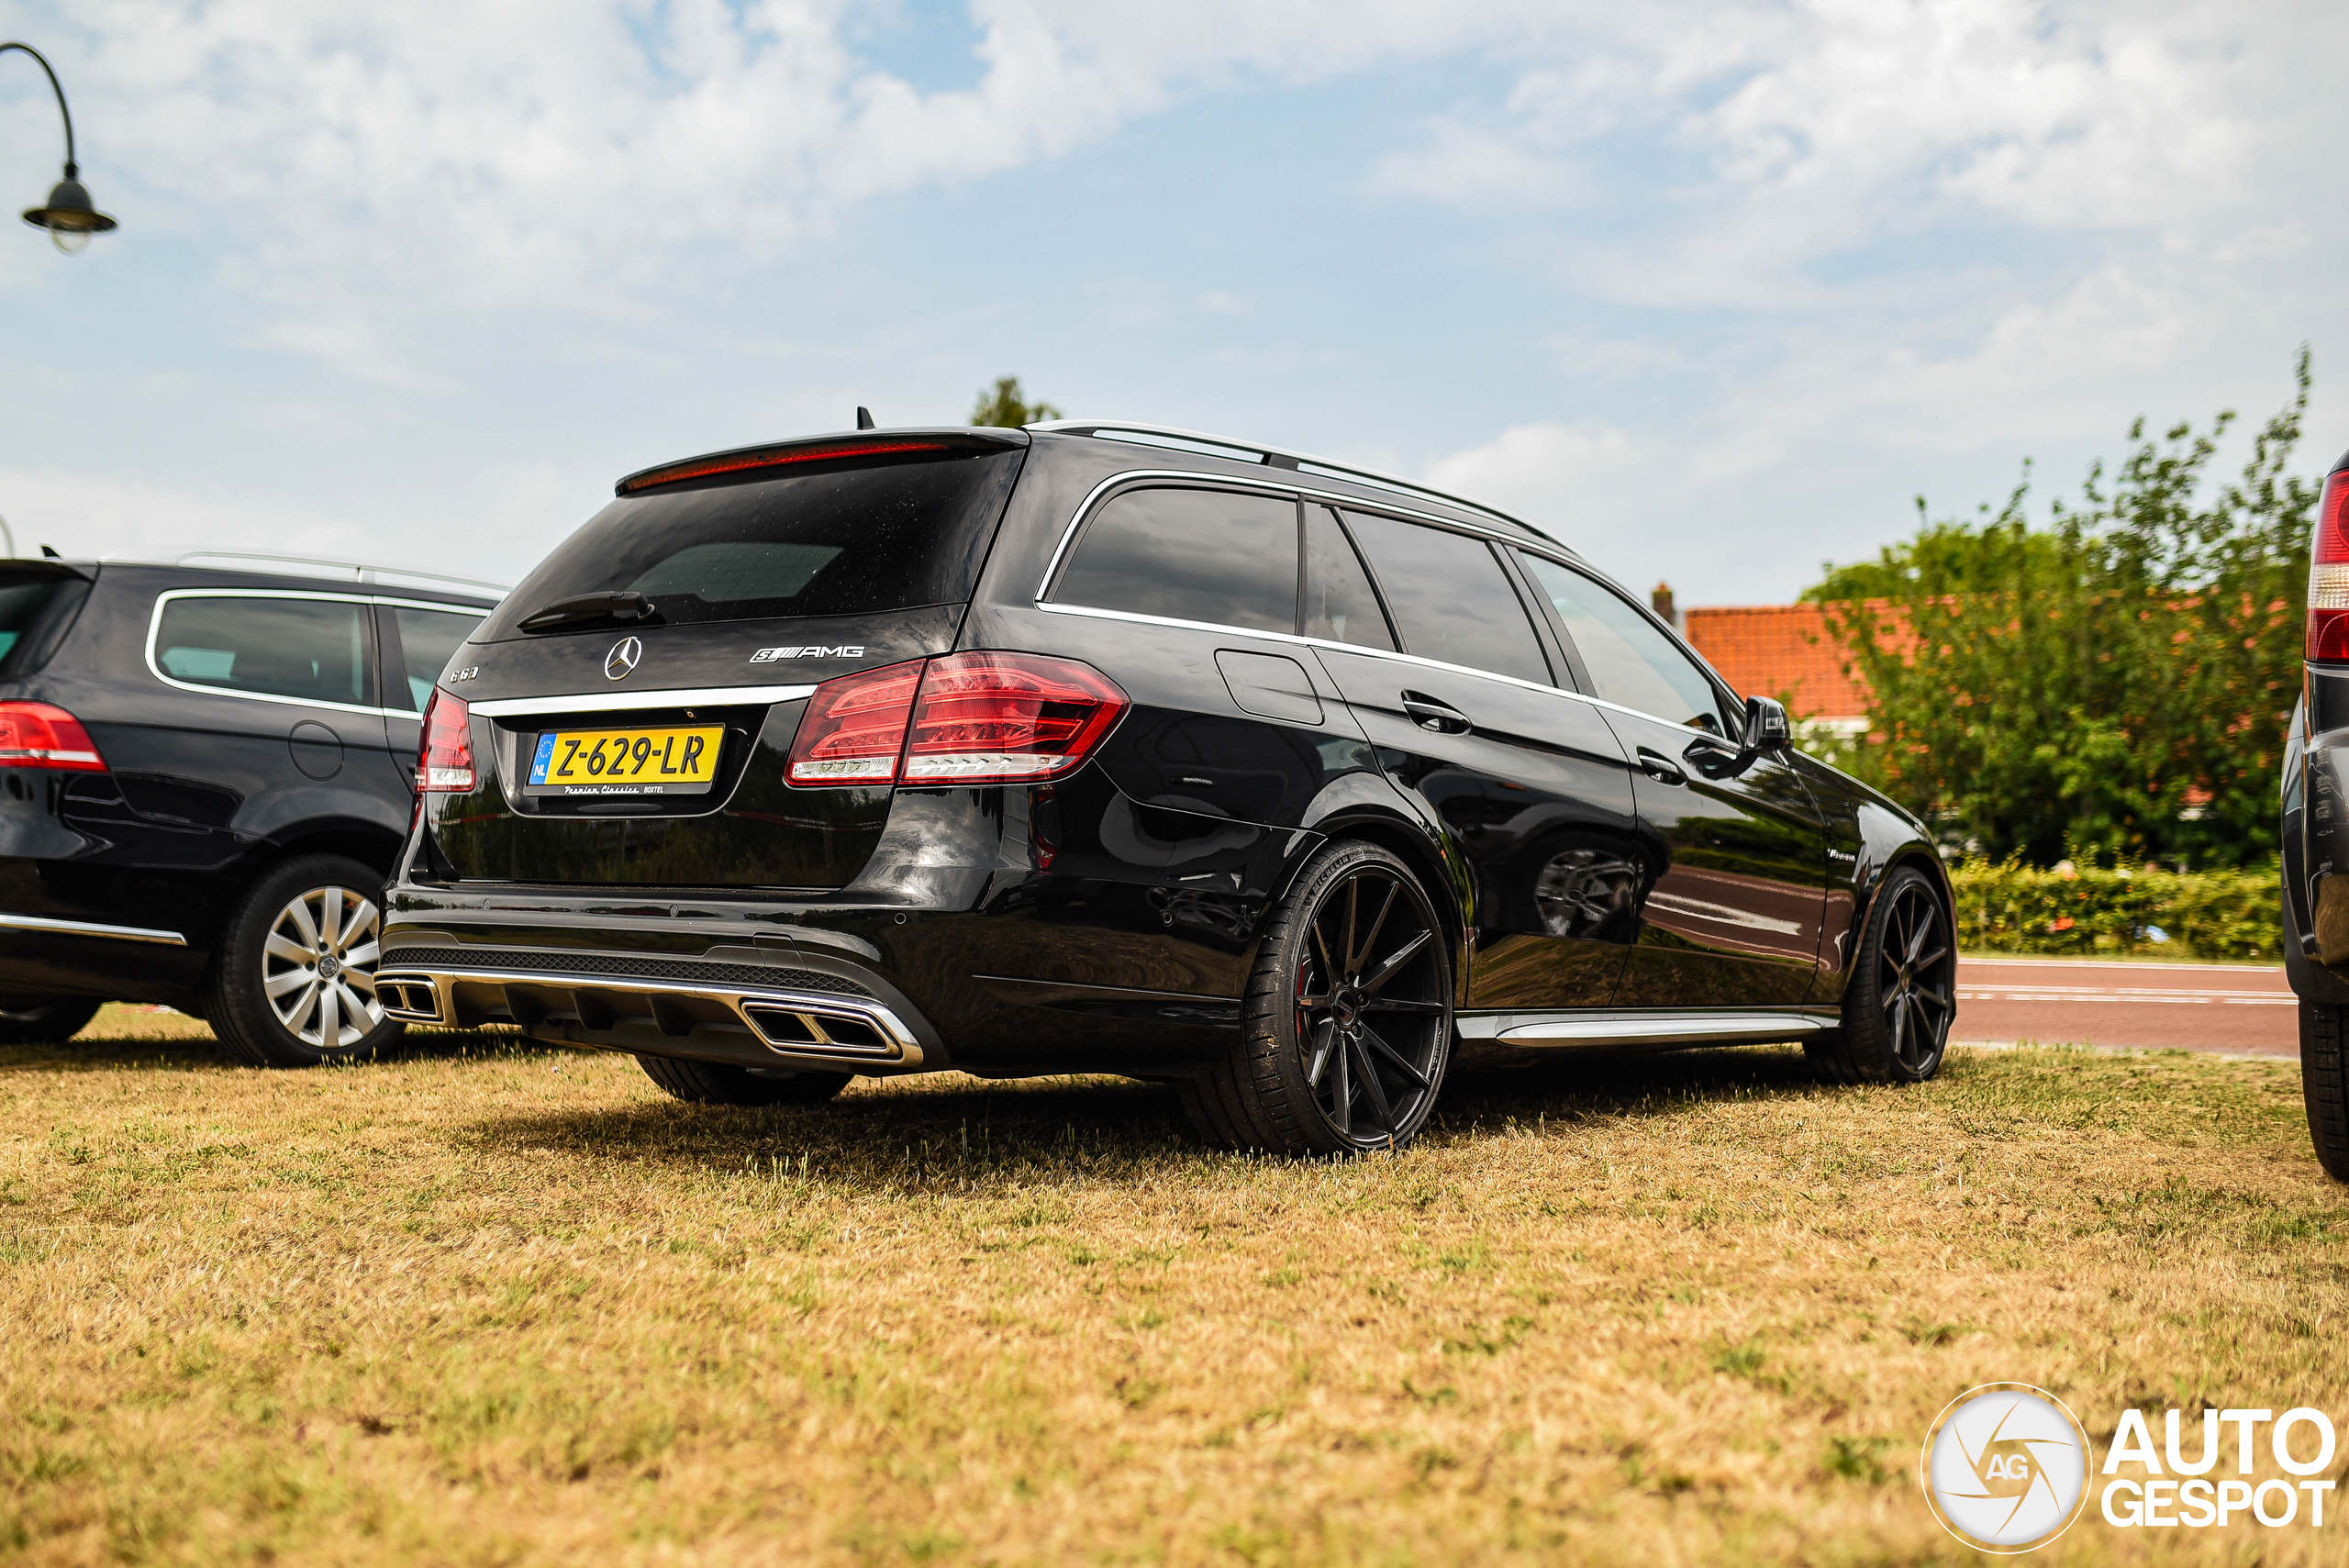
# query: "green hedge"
{"type": "Point", "coordinates": [2012, 908]}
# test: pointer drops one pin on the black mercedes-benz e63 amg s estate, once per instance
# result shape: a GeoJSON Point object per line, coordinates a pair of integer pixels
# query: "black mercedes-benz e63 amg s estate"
{"type": "Point", "coordinates": [1119, 750]}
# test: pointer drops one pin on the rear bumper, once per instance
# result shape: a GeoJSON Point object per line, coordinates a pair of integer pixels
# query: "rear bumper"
{"type": "Point", "coordinates": [729, 1013]}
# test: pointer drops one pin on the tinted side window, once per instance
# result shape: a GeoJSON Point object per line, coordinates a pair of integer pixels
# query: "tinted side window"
{"type": "Point", "coordinates": [1452, 600]}
{"type": "Point", "coordinates": [1338, 603]}
{"type": "Point", "coordinates": [429, 638]}
{"type": "Point", "coordinates": [1206, 555]}
{"type": "Point", "coordinates": [312, 649]}
{"type": "Point", "coordinates": [1629, 660]}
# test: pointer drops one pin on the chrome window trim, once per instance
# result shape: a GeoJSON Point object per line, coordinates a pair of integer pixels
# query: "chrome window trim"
{"type": "Point", "coordinates": [622, 702]}
{"type": "Point", "coordinates": [1192, 477]}
{"type": "Point", "coordinates": [155, 630]}
{"type": "Point", "coordinates": [91, 928]}
{"type": "Point", "coordinates": [1169, 436]}
{"type": "Point", "coordinates": [1394, 654]}
{"type": "Point", "coordinates": [1556, 554]}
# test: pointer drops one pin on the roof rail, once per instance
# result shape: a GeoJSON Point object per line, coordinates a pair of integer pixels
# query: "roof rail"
{"type": "Point", "coordinates": [1270, 457]}
{"type": "Point", "coordinates": [360, 570]}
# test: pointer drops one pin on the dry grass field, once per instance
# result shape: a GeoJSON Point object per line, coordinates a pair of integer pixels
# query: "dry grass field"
{"type": "Point", "coordinates": [484, 1304]}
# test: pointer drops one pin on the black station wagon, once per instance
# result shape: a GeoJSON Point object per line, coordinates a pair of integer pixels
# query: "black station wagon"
{"type": "Point", "coordinates": [205, 775]}
{"type": "Point", "coordinates": [1111, 749]}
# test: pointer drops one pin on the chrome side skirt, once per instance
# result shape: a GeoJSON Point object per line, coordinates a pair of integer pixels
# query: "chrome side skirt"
{"type": "Point", "coordinates": [1639, 1026]}
{"type": "Point", "coordinates": [657, 1017]}
{"type": "Point", "coordinates": [92, 928]}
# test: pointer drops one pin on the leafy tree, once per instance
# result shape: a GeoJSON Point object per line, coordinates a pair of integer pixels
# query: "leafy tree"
{"type": "Point", "coordinates": [1005, 405]}
{"type": "Point", "coordinates": [2117, 684]}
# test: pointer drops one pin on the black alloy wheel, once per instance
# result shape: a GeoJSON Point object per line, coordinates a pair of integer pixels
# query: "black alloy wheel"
{"type": "Point", "coordinates": [1346, 1028]}
{"type": "Point", "coordinates": [1902, 997]}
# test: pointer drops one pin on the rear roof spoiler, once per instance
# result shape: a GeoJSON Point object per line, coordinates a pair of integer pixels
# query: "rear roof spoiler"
{"type": "Point", "coordinates": [819, 449]}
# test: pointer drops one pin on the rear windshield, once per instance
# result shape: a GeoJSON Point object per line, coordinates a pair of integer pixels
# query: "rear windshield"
{"type": "Point", "coordinates": [36, 608]}
{"type": "Point", "coordinates": [841, 538]}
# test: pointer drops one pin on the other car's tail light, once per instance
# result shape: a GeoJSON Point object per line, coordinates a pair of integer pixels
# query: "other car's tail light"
{"type": "Point", "coordinates": [2327, 636]}
{"type": "Point", "coordinates": [854, 729]}
{"type": "Point", "coordinates": [446, 759]}
{"type": "Point", "coordinates": [1008, 717]}
{"type": "Point", "coordinates": [40, 735]}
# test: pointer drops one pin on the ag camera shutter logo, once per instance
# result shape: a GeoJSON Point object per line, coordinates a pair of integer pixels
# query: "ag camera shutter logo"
{"type": "Point", "coordinates": [2006, 1467]}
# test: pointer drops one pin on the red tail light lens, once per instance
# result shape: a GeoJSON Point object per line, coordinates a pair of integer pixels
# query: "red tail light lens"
{"type": "Point", "coordinates": [38, 735]}
{"type": "Point", "coordinates": [446, 761]}
{"type": "Point", "coordinates": [1008, 717]}
{"type": "Point", "coordinates": [2327, 634]}
{"type": "Point", "coordinates": [854, 729]}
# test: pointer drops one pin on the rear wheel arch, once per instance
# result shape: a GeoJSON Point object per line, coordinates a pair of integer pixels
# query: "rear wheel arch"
{"type": "Point", "coordinates": [1409, 843]}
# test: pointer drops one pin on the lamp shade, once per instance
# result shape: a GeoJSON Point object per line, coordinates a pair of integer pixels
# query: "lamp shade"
{"type": "Point", "coordinates": [69, 211]}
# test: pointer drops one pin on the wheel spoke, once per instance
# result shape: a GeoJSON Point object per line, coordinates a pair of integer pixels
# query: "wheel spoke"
{"type": "Point", "coordinates": [299, 1018]}
{"type": "Point", "coordinates": [329, 1018]}
{"type": "Point", "coordinates": [1356, 960]}
{"type": "Point", "coordinates": [1939, 998]}
{"type": "Point", "coordinates": [1342, 1111]}
{"type": "Point", "coordinates": [1930, 960]}
{"type": "Point", "coordinates": [1331, 975]}
{"type": "Point", "coordinates": [361, 927]}
{"type": "Point", "coordinates": [1318, 1062]}
{"type": "Point", "coordinates": [286, 980]}
{"type": "Point", "coordinates": [1390, 1005]}
{"type": "Point", "coordinates": [1899, 1021]}
{"type": "Point", "coordinates": [364, 956]}
{"type": "Point", "coordinates": [330, 919]}
{"type": "Point", "coordinates": [358, 1009]}
{"type": "Point", "coordinates": [299, 913]}
{"type": "Point", "coordinates": [1921, 929]}
{"type": "Point", "coordinates": [1369, 1071]}
{"type": "Point", "coordinates": [1353, 897]}
{"type": "Point", "coordinates": [1396, 961]}
{"type": "Point", "coordinates": [1371, 1037]}
{"type": "Point", "coordinates": [280, 947]}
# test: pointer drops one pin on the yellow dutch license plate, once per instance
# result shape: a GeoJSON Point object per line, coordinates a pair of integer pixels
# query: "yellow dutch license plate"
{"type": "Point", "coordinates": [626, 762]}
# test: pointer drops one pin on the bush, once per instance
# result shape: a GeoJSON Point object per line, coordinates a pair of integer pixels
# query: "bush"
{"type": "Point", "coordinates": [2012, 908]}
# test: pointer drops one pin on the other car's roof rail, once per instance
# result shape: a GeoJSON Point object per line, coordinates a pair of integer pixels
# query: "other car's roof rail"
{"type": "Point", "coordinates": [360, 570]}
{"type": "Point", "coordinates": [1272, 457]}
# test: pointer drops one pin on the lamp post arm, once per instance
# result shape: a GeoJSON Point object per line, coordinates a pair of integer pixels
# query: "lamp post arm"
{"type": "Point", "coordinates": [59, 88]}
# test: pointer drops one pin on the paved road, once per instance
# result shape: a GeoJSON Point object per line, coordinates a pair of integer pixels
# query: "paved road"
{"type": "Point", "coordinates": [2196, 1006]}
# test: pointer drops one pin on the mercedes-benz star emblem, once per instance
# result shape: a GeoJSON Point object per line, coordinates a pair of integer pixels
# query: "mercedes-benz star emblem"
{"type": "Point", "coordinates": [622, 658]}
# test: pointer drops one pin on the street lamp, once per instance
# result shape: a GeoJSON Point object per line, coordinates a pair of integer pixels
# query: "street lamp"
{"type": "Point", "coordinates": [67, 215]}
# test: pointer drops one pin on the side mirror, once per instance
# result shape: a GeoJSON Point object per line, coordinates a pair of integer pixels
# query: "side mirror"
{"type": "Point", "coordinates": [1766, 728]}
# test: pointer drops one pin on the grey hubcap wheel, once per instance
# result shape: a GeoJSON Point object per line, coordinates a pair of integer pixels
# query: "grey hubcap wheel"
{"type": "Point", "coordinates": [319, 967]}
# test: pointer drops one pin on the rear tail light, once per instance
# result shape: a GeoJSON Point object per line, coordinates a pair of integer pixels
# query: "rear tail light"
{"type": "Point", "coordinates": [966, 718]}
{"type": "Point", "coordinates": [446, 760]}
{"type": "Point", "coordinates": [1008, 717]}
{"type": "Point", "coordinates": [854, 729]}
{"type": "Point", "coordinates": [2327, 634]}
{"type": "Point", "coordinates": [40, 735]}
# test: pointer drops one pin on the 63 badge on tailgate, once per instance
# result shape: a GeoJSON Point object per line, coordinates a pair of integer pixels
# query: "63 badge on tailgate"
{"type": "Point", "coordinates": [626, 762]}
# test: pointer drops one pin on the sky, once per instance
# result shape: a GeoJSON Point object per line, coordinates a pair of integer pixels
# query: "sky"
{"type": "Point", "coordinates": [1710, 292]}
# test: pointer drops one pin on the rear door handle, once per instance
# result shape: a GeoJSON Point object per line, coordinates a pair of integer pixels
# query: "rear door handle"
{"type": "Point", "coordinates": [1660, 768]}
{"type": "Point", "coordinates": [1430, 714]}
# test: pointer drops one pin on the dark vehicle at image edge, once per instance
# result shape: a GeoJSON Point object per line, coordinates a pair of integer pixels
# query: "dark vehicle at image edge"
{"type": "Point", "coordinates": [206, 775]}
{"type": "Point", "coordinates": [2316, 833]}
{"type": "Point", "coordinates": [1093, 748]}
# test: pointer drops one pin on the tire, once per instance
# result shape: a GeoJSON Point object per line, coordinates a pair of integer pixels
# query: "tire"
{"type": "Point", "coordinates": [1346, 1025]}
{"type": "Point", "coordinates": [714, 1084]}
{"type": "Point", "coordinates": [277, 936]}
{"type": "Point", "coordinates": [44, 1020]}
{"type": "Point", "coordinates": [2324, 1085]}
{"type": "Point", "coordinates": [1902, 996]}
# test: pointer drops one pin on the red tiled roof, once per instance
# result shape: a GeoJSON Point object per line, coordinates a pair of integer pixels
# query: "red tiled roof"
{"type": "Point", "coordinates": [1779, 651]}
